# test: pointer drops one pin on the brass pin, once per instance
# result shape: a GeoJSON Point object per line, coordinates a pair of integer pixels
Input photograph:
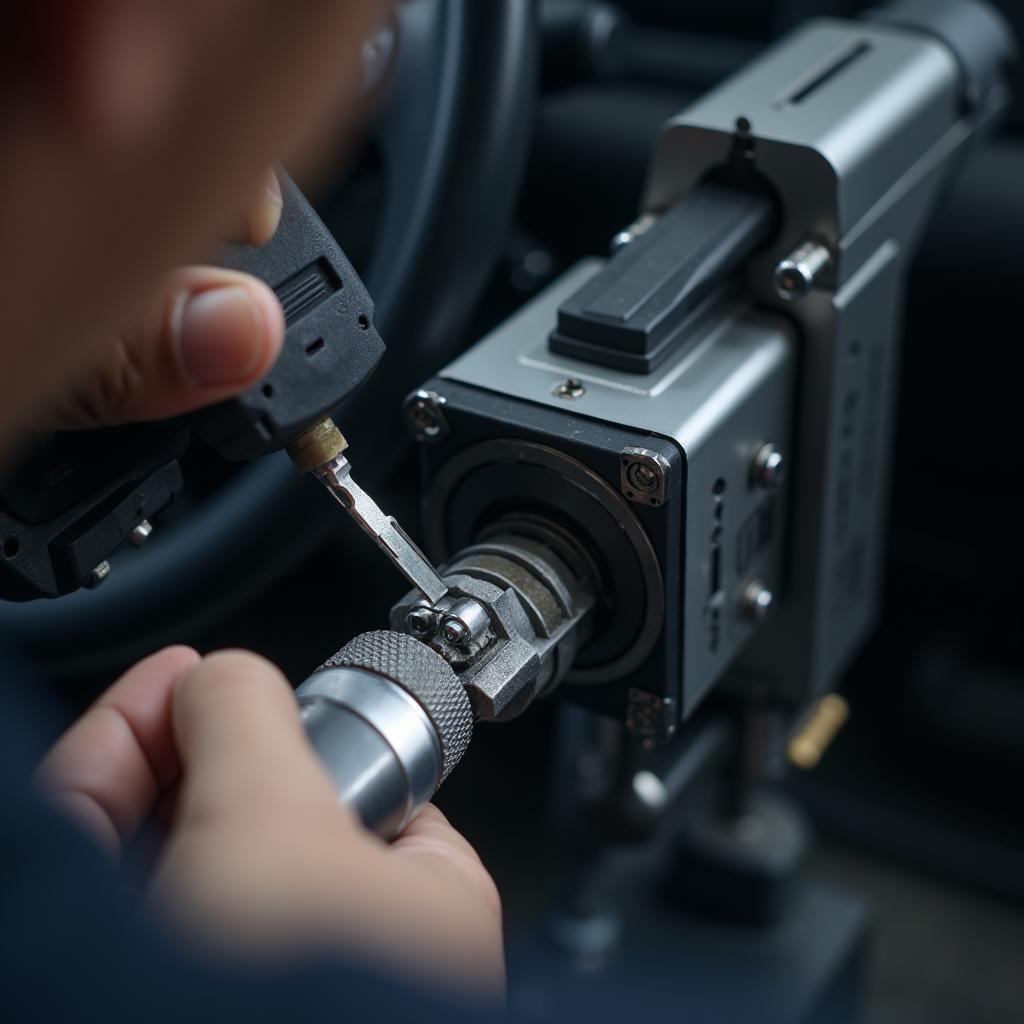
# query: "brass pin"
{"type": "Point", "coordinates": [817, 731]}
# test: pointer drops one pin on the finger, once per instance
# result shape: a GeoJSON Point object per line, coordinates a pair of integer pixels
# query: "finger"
{"type": "Point", "coordinates": [109, 769]}
{"type": "Point", "coordinates": [242, 746]}
{"type": "Point", "coordinates": [210, 334]}
{"type": "Point", "coordinates": [431, 837]}
{"type": "Point", "coordinates": [446, 863]}
{"type": "Point", "coordinates": [431, 832]}
{"type": "Point", "coordinates": [263, 215]}
{"type": "Point", "coordinates": [260, 218]}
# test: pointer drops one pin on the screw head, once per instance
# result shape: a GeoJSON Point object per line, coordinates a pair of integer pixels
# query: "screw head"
{"type": "Point", "coordinates": [642, 477]}
{"type": "Point", "coordinates": [423, 411]}
{"type": "Point", "coordinates": [424, 418]}
{"type": "Point", "coordinates": [420, 622]}
{"type": "Point", "coordinates": [769, 467]}
{"type": "Point", "coordinates": [756, 601]}
{"type": "Point", "coordinates": [455, 631]}
{"type": "Point", "coordinates": [571, 388]}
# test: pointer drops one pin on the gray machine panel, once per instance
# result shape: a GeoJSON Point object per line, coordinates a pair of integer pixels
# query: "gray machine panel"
{"type": "Point", "coordinates": [857, 127]}
{"type": "Point", "coordinates": [884, 97]}
{"type": "Point", "coordinates": [728, 394]}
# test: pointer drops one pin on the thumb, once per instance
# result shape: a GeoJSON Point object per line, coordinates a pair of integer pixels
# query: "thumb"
{"type": "Point", "coordinates": [243, 750]}
{"type": "Point", "coordinates": [209, 334]}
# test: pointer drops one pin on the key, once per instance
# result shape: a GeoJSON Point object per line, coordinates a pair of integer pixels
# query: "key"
{"type": "Point", "coordinates": [396, 544]}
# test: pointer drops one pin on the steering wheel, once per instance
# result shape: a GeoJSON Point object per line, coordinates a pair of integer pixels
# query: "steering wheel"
{"type": "Point", "coordinates": [452, 136]}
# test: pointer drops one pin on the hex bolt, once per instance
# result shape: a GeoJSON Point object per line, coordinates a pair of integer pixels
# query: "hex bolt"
{"type": "Point", "coordinates": [768, 470]}
{"type": "Point", "coordinates": [796, 275]}
{"type": "Point", "coordinates": [421, 622]}
{"type": "Point", "coordinates": [466, 620]}
{"type": "Point", "coordinates": [756, 601]}
{"type": "Point", "coordinates": [141, 533]}
{"type": "Point", "coordinates": [455, 631]}
{"type": "Point", "coordinates": [571, 388]}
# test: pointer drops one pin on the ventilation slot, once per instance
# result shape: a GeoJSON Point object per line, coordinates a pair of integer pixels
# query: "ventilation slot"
{"type": "Point", "coordinates": [822, 76]}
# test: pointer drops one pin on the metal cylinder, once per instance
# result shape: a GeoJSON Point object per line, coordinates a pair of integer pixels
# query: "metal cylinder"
{"type": "Point", "coordinates": [800, 271]}
{"type": "Point", "coordinates": [389, 718]}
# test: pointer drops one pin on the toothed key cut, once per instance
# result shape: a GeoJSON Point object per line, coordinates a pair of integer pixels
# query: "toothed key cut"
{"type": "Point", "coordinates": [321, 451]}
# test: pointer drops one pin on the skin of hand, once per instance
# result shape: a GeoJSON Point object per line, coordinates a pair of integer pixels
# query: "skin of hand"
{"type": "Point", "coordinates": [132, 135]}
{"type": "Point", "coordinates": [132, 132]}
{"type": "Point", "coordinates": [261, 863]}
{"type": "Point", "coordinates": [207, 334]}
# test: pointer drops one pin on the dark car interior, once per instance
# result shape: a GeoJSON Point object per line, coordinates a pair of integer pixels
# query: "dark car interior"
{"type": "Point", "coordinates": [508, 141]}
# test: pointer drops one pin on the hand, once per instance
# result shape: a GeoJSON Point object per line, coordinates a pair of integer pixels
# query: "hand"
{"type": "Point", "coordinates": [261, 861]}
{"type": "Point", "coordinates": [208, 333]}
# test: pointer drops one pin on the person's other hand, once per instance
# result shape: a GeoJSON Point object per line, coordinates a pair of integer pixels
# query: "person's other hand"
{"type": "Point", "coordinates": [261, 861]}
{"type": "Point", "coordinates": [206, 335]}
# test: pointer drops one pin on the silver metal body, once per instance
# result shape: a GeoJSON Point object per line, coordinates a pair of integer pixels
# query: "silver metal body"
{"type": "Point", "coordinates": [856, 126]}
{"type": "Point", "coordinates": [721, 400]}
{"type": "Point", "coordinates": [377, 743]}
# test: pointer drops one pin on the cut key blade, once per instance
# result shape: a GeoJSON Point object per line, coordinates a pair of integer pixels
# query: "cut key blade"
{"type": "Point", "coordinates": [384, 529]}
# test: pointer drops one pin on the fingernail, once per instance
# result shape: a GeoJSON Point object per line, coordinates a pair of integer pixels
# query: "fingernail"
{"type": "Point", "coordinates": [265, 215]}
{"type": "Point", "coordinates": [274, 188]}
{"type": "Point", "coordinates": [221, 337]}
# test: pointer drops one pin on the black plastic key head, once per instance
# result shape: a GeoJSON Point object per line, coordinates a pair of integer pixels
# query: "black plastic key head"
{"type": "Point", "coordinates": [75, 499]}
{"type": "Point", "coordinates": [331, 347]}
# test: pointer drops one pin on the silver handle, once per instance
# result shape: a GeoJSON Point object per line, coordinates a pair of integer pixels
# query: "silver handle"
{"type": "Point", "coordinates": [389, 718]}
{"type": "Point", "coordinates": [377, 743]}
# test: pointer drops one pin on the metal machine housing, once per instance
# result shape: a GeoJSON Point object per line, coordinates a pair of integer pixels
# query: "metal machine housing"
{"type": "Point", "coordinates": [704, 415]}
{"type": "Point", "coordinates": [856, 126]}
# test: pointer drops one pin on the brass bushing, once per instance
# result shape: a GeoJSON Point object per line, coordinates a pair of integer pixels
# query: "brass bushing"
{"type": "Point", "coordinates": [317, 446]}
